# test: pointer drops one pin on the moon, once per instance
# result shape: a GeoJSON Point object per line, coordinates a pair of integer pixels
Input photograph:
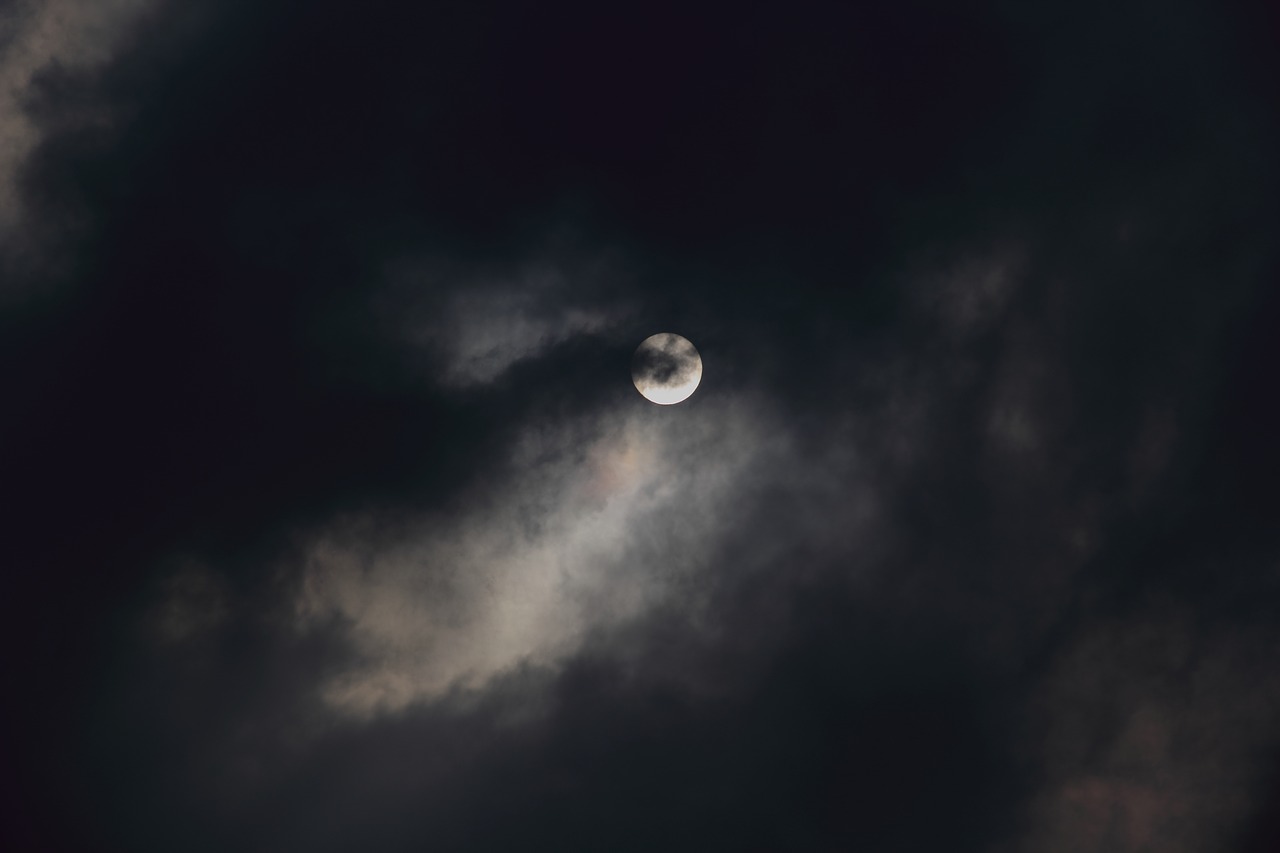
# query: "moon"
{"type": "Point", "coordinates": [666, 369]}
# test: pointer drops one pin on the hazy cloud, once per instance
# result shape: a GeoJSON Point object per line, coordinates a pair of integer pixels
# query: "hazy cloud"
{"type": "Point", "coordinates": [604, 518]}
{"type": "Point", "coordinates": [480, 322]}
{"type": "Point", "coordinates": [40, 36]}
{"type": "Point", "coordinates": [1154, 732]}
{"type": "Point", "coordinates": [194, 600]}
{"type": "Point", "coordinates": [340, 525]}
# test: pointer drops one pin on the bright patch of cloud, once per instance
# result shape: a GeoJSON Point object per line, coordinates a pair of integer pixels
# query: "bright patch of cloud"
{"type": "Point", "coordinates": [606, 519]}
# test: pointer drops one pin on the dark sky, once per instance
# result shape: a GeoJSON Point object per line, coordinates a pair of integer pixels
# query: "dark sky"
{"type": "Point", "coordinates": [332, 520]}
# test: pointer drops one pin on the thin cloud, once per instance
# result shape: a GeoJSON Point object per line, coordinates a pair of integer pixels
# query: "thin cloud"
{"type": "Point", "coordinates": [490, 320]}
{"type": "Point", "coordinates": [605, 519]}
{"type": "Point", "coordinates": [43, 35]}
{"type": "Point", "coordinates": [1153, 730]}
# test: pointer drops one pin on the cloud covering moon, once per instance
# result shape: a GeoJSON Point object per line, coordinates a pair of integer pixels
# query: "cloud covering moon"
{"type": "Point", "coordinates": [666, 369]}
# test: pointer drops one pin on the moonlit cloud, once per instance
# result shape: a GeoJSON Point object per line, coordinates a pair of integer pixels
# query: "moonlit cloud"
{"type": "Point", "coordinates": [606, 517]}
{"type": "Point", "coordinates": [490, 320]}
{"type": "Point", "coordinates": [338, 523]}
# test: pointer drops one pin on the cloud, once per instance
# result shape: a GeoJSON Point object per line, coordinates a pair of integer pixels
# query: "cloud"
{"type": "Point", "coordinates": [478, 322]}
{"type": "Point", "coordinates": [1152, 730]}
{"type": "Point", "coordinates": [445, 581]}
{"type": "Point", "coordinates": [956, 490]}
{"type": "Point", "coordinates": [194, 601]}
{"type": "Point", "coordinates": [42, 36]}
{"type": "Point", "coordinates": [605, 517]}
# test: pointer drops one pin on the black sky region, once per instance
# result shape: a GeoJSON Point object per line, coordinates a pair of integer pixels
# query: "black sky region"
{"type": "Point", "coordinates": [332, 521]}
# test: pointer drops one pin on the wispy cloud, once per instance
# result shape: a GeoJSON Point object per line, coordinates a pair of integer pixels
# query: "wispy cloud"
{"type": "Point", "coordinates": [1152, 734]}
{"type": "Point", "coordinates": [481, 322]}
{"type": "Point", "coordinates": [41, 36]}
{"type": "Point", "coordinates": [605, 518]}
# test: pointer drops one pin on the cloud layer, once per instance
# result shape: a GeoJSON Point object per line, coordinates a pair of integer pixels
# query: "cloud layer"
{"type": "Point", "coordinates": [340, 524]}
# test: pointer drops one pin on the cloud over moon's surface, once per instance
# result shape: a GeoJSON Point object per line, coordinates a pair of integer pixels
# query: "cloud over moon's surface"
{"type": "Point", "coordinates": [666, 368]}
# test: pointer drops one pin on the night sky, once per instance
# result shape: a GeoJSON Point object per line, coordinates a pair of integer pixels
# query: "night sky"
{"type": "Point", "coordinates": [332, 521]}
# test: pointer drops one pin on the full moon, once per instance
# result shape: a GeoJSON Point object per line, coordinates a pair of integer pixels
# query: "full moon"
{"type": "Point", "coordinates": [666, 369]}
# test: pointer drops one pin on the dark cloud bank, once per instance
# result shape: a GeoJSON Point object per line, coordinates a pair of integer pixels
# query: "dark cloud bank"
{"type": "Point", "coordinates": [333, 522]}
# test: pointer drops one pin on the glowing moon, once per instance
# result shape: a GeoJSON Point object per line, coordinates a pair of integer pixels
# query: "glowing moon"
{"type": "Point", "coordinates": [666, 369]}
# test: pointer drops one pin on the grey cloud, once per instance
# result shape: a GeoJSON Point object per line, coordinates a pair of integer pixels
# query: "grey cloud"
{"type": "Point", "coordinates": [952, 489]}
{"type": "Point", "coordinates": [480, 321]}
{"type": "Point", "coordinates": [194, 600]}
{"type": "Point", "coordinates": [445, 581]}
{"type": "Point", "coordinates": [668, 360]}
{"type": "Point", "coordinates": [76, 36]}
{"type": "Point", "coordinates": [969, 295]}
{"type": "Point", "coordinates": [609, 515]}
{"type": "Point", "coordinates": [1150, 732]}
{"type": "Point", "coordinates": [456, 598]}
{"type": "Point", "coordinates": [606, 517]}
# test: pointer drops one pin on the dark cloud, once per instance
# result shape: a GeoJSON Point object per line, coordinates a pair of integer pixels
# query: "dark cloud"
{"type": "Point", "coordinates": [665, 359]}
{"type": "Point", "coordinates": [335, 521]}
